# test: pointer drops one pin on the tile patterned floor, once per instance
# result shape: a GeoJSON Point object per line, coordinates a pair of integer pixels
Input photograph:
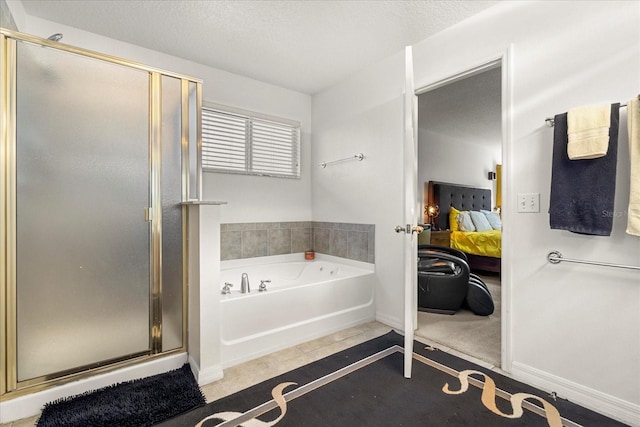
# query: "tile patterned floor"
{"type": "Point", "coordinates": [255, 371]}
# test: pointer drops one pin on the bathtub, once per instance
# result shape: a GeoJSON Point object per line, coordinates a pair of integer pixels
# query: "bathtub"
{"type": "Point", "coordinates": [303, 301]}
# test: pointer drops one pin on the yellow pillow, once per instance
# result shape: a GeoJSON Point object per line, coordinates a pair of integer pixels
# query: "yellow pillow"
{"type": "Point", "coordinates": [453, 219]}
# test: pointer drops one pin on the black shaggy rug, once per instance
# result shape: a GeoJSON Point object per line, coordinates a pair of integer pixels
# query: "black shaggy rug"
{"type": "Point", "coordinates": [136, 403]}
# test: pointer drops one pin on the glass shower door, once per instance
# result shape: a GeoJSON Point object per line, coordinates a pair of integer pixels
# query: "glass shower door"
{"type": "Point", "coordinates": [82, 191]}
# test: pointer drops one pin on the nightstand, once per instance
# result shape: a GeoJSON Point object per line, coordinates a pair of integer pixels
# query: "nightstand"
{"type": "Point", "coordinates": [440, 238]}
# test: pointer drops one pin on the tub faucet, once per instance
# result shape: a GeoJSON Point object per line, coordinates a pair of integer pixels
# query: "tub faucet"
{"type": "Point", "coordinates": [244, 285]}
{"type": "Point", "coordinates": [263, 285]}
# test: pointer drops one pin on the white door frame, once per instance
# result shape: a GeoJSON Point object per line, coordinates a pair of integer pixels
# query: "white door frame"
{"type": "Point", "coordinates": [505, 59]}
{"type": "Point", "coordinates": [411, 209]}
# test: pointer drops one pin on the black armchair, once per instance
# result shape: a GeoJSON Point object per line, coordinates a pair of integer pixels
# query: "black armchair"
{"type": "Point", "coordinates": [443, 279]}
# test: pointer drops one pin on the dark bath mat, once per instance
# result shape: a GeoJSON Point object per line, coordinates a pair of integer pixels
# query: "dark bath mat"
{"type": "Point", "coordinates": [136, 403]}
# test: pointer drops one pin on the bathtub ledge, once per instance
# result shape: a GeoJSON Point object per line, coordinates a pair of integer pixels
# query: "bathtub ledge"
{"type": "Point", "coordinates": [296, 257]}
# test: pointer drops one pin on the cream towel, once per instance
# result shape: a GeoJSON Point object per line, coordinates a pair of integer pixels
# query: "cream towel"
{"type": "Point", "coordinates": [633, 123]}
{"type": "Point", "coordinates": [588, 131]}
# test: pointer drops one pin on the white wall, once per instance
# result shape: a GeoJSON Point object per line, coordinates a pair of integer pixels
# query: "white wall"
{"type": "Point", "coordinates": [446, 159]}
{"type": "Point", "coordinates": [364, 114]}
{"type": "Point", "coordinates": [249, 198]}
{"type": "Point", "coordinates": [18, 13]}
{"type": "Point", "coordinates": [573, 329]}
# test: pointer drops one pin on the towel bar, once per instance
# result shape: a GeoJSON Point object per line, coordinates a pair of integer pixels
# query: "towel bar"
{"type": "Point", "coordinates": [555, 257]}
{"type": "Point", "coordinates": [358, 156]}
{"type": "Point", "coordinates": [550, 121]}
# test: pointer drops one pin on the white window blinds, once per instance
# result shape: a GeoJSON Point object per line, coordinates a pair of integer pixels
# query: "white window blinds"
{"type": "Point", "coordinates": [249, 144]}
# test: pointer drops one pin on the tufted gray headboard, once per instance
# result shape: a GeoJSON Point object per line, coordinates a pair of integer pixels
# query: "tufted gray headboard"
{"type": "Point", "coordinates": [462, 198]}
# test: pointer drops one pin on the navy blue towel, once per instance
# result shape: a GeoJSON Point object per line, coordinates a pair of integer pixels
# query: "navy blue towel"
{"type": "Point", "coordinates": [582, 191]}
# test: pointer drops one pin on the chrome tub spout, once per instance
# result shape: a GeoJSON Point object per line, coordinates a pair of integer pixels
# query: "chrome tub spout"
{"type": "Point", "coordinates": [244, 285]}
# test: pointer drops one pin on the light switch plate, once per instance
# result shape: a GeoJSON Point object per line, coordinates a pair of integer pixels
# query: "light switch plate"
{"type": "Point", "coordinates": [528, 202]}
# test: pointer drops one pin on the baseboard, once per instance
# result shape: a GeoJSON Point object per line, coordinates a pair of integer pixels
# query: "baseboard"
{"type": "Point", "coordinates": [597, 401]}
{"type": "Point", "coordinates": [394, 322]}
{"type": "Point", "coordinates": [205, 376]}
{"type": "Point", "coordinates": [31, 404]}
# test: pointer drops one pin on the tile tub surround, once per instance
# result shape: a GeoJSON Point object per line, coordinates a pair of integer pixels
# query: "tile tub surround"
{"type": "Point", "coordinates": [351, 241]}
{"type": "Point", "coordinates": [248, 240]}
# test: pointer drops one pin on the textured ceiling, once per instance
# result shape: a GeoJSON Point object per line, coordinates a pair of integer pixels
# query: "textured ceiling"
{"type": "Point", "coordinates": [468, 110]}
{"type": "Point", "coordinates": [302, 45]}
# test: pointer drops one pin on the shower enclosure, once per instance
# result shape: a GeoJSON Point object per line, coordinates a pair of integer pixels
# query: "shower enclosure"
{"type": "Point", "coordinates": [97, 155]}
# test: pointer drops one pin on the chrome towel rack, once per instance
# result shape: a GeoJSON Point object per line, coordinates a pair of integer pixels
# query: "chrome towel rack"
{"type": "Point", "coordinates": [358, 156]}
{"type": "Point", "coordinates": [555, 257]}
{"type": "Point", "coordinates": [551, 122]}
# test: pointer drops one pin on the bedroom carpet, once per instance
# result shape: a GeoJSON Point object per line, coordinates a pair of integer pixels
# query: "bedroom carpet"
{"type": "Point", "coordinates": [364, 386]}
{"type": "Point", "coordinates": [477, 336]}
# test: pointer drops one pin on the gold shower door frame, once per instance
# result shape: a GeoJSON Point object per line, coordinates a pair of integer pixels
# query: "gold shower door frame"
{"type": "Point", "coordinates": [191, 101]}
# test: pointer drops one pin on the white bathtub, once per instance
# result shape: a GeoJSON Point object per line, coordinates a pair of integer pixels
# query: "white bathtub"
{"type": "Point", "coordinates": [303, 301]}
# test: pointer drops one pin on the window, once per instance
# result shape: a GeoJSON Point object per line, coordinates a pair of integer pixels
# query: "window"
{"type": "Point", "coordinates": [235, 141]}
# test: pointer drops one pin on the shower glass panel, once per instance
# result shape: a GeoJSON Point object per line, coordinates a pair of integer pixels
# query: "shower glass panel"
{"type": "Point", "coordinates": [82, 187]}
{"type": "Point", "coordinates": [171, 178]}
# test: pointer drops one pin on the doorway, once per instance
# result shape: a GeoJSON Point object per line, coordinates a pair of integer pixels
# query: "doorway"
{"type": "Point", "coordinates": [460, 142]}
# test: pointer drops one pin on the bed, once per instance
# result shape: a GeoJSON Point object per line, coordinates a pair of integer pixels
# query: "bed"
{"type": "Point", "coordinates": [483, 249]}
